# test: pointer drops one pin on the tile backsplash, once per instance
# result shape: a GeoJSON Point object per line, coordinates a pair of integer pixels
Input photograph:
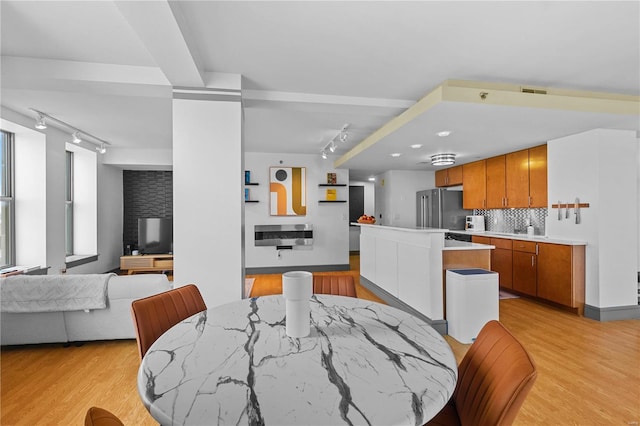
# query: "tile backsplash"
{"type": "Point", "coordinates": [514, 221]}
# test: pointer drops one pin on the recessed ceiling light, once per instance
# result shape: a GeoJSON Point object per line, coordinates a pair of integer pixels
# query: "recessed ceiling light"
{"type": "Point", "coordinates": [444, 133]}
{"type": "Point", "coordinates": [395, 154]}
{"type": "Point", "coordinates": [372, 179]}
{"type": "Point", "coordinates": [416, 146]}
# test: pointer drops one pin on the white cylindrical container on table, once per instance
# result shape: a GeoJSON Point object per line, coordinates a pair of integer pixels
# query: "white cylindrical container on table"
{"type": "Point", "coordinates": [297, 288]}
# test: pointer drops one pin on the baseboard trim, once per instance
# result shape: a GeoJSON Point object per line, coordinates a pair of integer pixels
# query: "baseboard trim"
{"type": "Point", "coordinates": [439, 325]}
{"type": "Point", "coordinates": [613, 313]}
{"type": "Point", "coordinates": [283, 269]}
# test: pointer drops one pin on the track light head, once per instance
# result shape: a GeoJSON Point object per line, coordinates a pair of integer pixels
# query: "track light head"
{"type": "Point", "coordinates": [324, 154]}
{"type": "Point", "coordinates": [76, 137]}
{"type": "Point", "coordinates": [101, 149]}
{"type": "Point", "coordinates": [40, 123]}
{"type": "Point", "coordinates": [344, 136]}
{"type": "Point", "coordinates": [332, 147]}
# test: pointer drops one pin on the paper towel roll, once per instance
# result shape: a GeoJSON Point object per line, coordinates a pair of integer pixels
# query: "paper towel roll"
{"type": "Point", "coordinates": [297, 288]}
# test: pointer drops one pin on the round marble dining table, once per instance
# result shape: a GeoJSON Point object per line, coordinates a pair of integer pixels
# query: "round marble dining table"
{"type": "Point", "coordinates": [363, 363]}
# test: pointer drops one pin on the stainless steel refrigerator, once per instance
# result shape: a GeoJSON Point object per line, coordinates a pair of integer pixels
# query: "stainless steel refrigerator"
{"type": "Point", "coordinates": [440, 208]}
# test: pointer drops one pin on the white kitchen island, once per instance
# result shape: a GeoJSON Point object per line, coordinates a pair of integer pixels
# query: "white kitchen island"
{"type": "Point", "coordinates": [407, 264]}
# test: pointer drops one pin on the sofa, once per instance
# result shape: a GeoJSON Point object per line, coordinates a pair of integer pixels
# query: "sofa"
{"type": "Point", "coordinates": [108, 323]}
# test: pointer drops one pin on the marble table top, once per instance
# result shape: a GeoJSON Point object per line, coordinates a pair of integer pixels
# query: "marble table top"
{"type": "Point", "coordinates": [364, 363]}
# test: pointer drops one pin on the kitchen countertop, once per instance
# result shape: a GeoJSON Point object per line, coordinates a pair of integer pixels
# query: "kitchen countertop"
{"type": "Point", "coordinates": [523, 237]}
{"type": "Point", "coordinates": [463, 245]}
{"type": "Point", "coordinates": [402, 228]}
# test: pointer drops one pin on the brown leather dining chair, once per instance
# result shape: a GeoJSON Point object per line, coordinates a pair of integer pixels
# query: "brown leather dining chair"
{"type": "Point", "coordinates": [337, 285]}
{"type": "Point", "coordinates": [154, 315]}
{"type": "Point", "coordinates": [494, 378]}
{"type": "Point", "coordinates": [100, 417]}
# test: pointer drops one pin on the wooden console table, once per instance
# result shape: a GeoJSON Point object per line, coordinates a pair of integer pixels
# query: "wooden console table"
{"type": "Point", "coordinates": [146, 263]}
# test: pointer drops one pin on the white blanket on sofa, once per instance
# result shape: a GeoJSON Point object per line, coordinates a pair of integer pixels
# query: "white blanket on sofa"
{"type": "Point", "coordinates": [50, 293]}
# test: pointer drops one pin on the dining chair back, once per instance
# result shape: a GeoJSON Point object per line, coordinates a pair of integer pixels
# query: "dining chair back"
{"type": "Point", "coordinates": [494, 378]}
{"type": "Point", "coordinates": [100, 417]}
{"type": "Point", "coordinates": [154, 315]}
{"type": "Point", "coordinates": [338, 285]}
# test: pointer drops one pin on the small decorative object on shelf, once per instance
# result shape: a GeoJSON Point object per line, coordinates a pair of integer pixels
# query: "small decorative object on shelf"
{"type": "Point", "coordinates": [332, 194]}
{"type": "Point", "coordinates": [246, 194]}
{"type": "Point", "coordinates": [331, 178]}
{"type": "Point", "coordinates": [247, 176]}
{"type": "Point", "coordinates": [370, 220]}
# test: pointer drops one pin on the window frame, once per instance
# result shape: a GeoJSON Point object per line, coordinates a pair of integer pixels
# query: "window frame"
{"type": "Point", "coordinates": [68, 213]}
{"type": "Point", "coordinates": [7, 194]}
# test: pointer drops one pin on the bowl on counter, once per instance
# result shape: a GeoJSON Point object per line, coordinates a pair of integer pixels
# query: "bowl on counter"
{"type": "Point", "coordinates": [367, 221]}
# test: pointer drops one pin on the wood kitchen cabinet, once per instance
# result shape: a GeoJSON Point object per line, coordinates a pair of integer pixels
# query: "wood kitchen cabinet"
{"type": "Point", "coordinates": [501, 258]}
{"type": "Point", "coordinates": [449, 177]}
{"type": "Point", "coordinates": [517, 179]}
{"type": "Point", "coordinates": [474, 183]}
{"type": "Point", "coordinates": [496, 182]}
{"type": "Point", "coordinates": [502, 261]}
{"type": "Point", "coordinates": [538, 176]}
{"type": "Point", "coordinates": [547, 271]}
{"type": "Point", "coordinates": [561, 270]}
{"type": "Point", "coordinates": [525, 266]}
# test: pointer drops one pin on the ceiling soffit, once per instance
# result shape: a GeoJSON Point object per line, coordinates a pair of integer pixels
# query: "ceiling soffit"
{"type": "Point", "coordinates": [497, 94]}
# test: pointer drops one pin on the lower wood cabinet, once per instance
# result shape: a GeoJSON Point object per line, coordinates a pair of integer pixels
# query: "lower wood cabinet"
{"type": "Point", "coordinates": [561, 272]}
{"type": "Point", "coordinates": [552, 272]}
{"type": "Point", "coordinates": [525, 272]}
{"type": "Point", "coordinates": [502, 261]}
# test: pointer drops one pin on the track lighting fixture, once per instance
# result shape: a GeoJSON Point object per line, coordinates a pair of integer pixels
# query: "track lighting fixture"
{"type": "Point", "coordinates": [341, 136]}
{"type": "Point", "coordinates": [40, 123]}
{"type": "Point", "coordinates": [99, 144]}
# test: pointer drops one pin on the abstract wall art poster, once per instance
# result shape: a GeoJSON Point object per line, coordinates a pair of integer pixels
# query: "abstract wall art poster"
{"type": "Point", "coordinates": [288, 193]}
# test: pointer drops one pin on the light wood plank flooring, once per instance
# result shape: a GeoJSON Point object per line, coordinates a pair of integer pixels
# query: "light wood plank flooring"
{"type": "Point", "coordinates": [589, 373]}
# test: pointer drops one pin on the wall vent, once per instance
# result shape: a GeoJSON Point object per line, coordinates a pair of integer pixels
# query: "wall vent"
{"type": "Point", "coordinates": [530, 90]}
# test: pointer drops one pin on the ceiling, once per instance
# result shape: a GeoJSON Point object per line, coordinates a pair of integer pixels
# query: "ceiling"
{"type": "Point", "coordinates": [308, 68]}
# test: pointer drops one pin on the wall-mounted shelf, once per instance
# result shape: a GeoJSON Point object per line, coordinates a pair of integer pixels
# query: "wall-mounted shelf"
{"type": "Point", "coordinates": [252, 184]}
{"type": "Point", "coordinates": [332, 201]}
{"type": "Point", "coordinates": [251, 201]}
{"type": "Point", "coordinates": [332, 184]}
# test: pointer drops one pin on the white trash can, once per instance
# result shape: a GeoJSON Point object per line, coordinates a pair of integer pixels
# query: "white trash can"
{"type": "Point", "coordinates": [472, 301]}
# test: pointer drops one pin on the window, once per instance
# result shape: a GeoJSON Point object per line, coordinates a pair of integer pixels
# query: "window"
{"type": "Point", "coordinates": [68, 213]}
{"type": "Point", "coordinates": [7, 205]}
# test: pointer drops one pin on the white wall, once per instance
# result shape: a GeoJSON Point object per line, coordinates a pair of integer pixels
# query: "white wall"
{"type": "Point", "coordinates": [330, 220]}
{"type": "Point", "coordinates": [207, 198]}
{"type": "Point", "coordinates": [601, 168]}
{"type": "Point", "coordinates": [395, 195]}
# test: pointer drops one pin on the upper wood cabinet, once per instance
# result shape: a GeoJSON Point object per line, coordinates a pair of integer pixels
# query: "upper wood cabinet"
{"type": "Point", "coordinates": [538, 176]}
{"type": "Point", "coordinates": [474, 179]}
{"type": "Point", "coordinates": [517, 178]}
{"type": "Point", "coordinates": [449, 177]}
{"type": "Point", "coordinates": [496, 182]}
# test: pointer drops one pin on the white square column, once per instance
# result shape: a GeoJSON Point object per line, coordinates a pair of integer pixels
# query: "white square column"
{"type": "Point", "coordinates": [208, 208]}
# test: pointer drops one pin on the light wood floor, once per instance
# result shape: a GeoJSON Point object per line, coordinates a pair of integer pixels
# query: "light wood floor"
{"type": "Point", "coordinates": [589, 373]}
